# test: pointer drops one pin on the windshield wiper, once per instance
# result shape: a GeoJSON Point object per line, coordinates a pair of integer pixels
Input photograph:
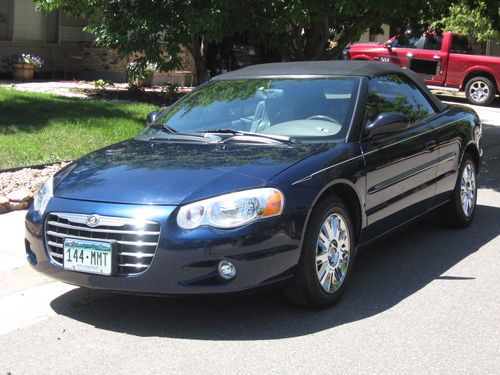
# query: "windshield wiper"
{"type": "Point", "coordinates": [277, 138]}
{"type": "Point", "coordinates": [185, 137]}
{"type": "Point", "coordinates": [173, 135]}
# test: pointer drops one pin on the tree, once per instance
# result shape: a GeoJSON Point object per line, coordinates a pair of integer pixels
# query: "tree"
{"type": "Point", "coordinates": [466, 19]}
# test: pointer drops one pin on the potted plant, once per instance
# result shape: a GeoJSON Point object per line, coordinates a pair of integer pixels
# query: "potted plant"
{"type": "Point", "coordinates": [141, 74]}
{"type": "Point", "coordinates": [23, 66]}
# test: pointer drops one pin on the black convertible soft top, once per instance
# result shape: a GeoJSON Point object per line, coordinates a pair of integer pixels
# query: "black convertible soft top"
{"type": "Point", "coordinates": [328, 68]}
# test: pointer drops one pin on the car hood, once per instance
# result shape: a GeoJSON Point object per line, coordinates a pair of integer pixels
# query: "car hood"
{"type": "Point", "coordinates": [140, 172]}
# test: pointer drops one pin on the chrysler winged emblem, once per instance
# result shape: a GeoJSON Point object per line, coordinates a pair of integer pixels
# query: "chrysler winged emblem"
{"type": "Point", "coordinates": [93, 221]}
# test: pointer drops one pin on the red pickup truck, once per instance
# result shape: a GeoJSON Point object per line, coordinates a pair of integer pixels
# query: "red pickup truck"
{"type": "Point", "coordinates": [445, 60]}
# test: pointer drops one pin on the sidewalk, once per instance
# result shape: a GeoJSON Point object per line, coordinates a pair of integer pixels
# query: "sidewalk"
{"type": "Point", "coordinates": [25, 294]}
{"type": "Point", "coordinates": [15, 272]}
{"type": "Point", "coordinates": [11, 248]}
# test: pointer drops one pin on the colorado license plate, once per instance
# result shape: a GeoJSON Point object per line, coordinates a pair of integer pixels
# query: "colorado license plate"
{"type": "Point", "coordinates": [88, 256]}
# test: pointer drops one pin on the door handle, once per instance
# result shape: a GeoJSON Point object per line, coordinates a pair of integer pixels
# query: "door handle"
{"type": "Point", "coordinates": [436, 57]}
{"type": "Point", "coordinates": [430, 146]}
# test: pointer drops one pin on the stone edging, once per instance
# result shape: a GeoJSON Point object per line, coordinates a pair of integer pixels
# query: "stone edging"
{"type": "Point", "coordinates": [18, 186]}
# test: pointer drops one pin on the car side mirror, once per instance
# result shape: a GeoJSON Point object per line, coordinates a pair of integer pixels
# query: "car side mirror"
{"type": "Point", "coordinates": [152, 117]}
{"type": "Point", "coordinates": [387, 122]}
{"type": "Point", "coordinates": [388, 44]}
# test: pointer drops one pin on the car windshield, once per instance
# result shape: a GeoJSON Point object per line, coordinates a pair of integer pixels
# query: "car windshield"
{"type": "Point", "coordinates": [299, 108]}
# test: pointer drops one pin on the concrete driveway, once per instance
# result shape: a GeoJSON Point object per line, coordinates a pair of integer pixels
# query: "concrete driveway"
{"type": "Point", "coordinates": [425, 300]}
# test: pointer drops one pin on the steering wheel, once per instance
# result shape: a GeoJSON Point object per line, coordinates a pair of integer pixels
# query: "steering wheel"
{"type": "Point", "coordinates": [323, 118]}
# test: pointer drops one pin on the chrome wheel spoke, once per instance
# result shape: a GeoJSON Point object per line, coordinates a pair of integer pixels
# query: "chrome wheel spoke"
{"type": "Point", "coordinates": [323, 269]}
{"type": "Point", "coordinates": [335, 223]}
{"type": "Point", "coordinates": [327, 230]}
{"type": "Point", "coordinates": [323, 241]}
{"type": "Point", "coordinates": [322, 258]}
{"type": "Point", "coordinates": [327, 275]}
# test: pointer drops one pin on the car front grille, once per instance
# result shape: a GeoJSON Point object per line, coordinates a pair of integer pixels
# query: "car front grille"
{"type": "Point", "coordinates": [135, 241]}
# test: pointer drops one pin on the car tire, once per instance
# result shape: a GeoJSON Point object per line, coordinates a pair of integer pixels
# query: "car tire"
{"type": "Point", "coordinates": [328, 253]}
{"type": "Point", "coordinates": [480, 91]}
{"type": "Point", "coordinates": [457, 213]}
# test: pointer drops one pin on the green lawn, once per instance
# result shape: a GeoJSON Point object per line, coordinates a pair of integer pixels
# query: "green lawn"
{"type": "Point", "coordinates": [41, 128]}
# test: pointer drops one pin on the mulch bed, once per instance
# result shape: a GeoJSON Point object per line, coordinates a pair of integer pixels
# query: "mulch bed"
{"type": "Point", "coordinates": [154, 96]}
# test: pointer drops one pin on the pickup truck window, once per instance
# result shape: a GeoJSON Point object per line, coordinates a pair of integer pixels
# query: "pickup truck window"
{"type": "Point", "coordinates": [404, 41]}
{"type": "Point", "coordinates": [394, 93]}
{"type": "Point", "coordinates": [460, 44]}
{"type": "Point", "coordinates": [433, 42]}
{"type": "Point", "coordinates": [428, 41]}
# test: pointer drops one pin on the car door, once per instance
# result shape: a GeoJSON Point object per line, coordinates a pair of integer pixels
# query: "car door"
{"type": "Point", "coordinates": [422, 54]}
{"type": "Point", "coordinates": [401, 167]}
{"type": "Point", "coordinates": [401, 49]}
{"type": "Point", "coordinates": [427, 60]}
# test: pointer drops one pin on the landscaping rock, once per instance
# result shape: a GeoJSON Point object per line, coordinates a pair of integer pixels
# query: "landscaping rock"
{"type": "Point", "coordinates": [16, 206]}
{"type": "Point", "coordinates": [18, 188]}
{"type": "Point", "coordinates": [21, 195]}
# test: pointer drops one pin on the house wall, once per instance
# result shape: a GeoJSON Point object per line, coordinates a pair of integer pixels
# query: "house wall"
{"type": "Point", "coordinates": [67, 50]}
{"type": "Point", "coordinates": [53, 36]}
{"type": "Point", "coordinates": [493, 48]}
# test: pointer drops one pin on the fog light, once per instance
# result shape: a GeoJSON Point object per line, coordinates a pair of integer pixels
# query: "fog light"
{"type": "Point", "coordinates": [227, 270]}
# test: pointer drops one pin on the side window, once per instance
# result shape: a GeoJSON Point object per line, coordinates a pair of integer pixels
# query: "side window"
{"type": "Point", "coordinates": [433, 42]}
{"type": "Point", "coordinates": [395, 93]}
{"type": "Point", "coordinates": [406, 41]}
{"type": "Point", "coordinates": [460, 44]}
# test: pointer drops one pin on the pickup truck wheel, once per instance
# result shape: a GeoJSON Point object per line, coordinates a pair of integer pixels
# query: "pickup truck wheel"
{"type": "Point", "coordinates": [480, 91]}
{"type": "Point", "coordinates": [327, 257]}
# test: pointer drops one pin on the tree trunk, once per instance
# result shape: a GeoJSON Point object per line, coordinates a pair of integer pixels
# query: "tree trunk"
{"type": "Point", "coordinates": [195, 49]}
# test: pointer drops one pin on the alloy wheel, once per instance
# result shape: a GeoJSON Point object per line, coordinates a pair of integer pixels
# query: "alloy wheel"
{"type": "Point", "coordinates": [468, 189]}
{"type": "Point", "coordinates": [479, 91]}
{"type": "Point", "coordinates": [333, 253]}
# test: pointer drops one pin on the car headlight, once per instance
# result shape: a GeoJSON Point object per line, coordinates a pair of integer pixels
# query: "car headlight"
{"type": "Point", "coordinates": [42, 198]}
{"type": "Point", "coordinates": [232, 210]}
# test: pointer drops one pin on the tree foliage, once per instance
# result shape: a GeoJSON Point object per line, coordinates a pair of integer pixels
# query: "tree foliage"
{"type": "Point", "coordinates": [465, 18]}
{"type": "Point", "coordinates": [150, 30]}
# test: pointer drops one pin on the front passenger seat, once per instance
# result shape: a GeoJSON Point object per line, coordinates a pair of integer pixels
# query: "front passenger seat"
{"type": "Point", "coordinates": [260, 119]}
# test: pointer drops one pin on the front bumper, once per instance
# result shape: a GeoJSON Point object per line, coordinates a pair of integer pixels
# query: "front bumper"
{"type": "Point", "coordinates": [264, 252]}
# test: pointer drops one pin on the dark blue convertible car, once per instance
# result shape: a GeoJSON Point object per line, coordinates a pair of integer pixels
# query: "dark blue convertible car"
{"type": "Point", "coordinates": [272, 175]}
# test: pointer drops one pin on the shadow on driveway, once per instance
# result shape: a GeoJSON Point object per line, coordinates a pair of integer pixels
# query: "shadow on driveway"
{"type": "Point", "coordinates": [385, 274]}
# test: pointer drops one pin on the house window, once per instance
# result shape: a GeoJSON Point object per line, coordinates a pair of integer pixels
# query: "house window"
{"type": "Point", "coordinates": [6, 19]}
{"type": "Point", "coordinates": [21, 22]}
{"type": "Point", "coordinates": [52, 27]}
{"type": "Point", "coordinates": [28, 22]}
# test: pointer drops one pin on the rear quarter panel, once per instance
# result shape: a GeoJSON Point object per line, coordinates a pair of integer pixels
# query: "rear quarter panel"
{"type": "Point", "coordinates": [457, 129]}
{"type": "Point", "coordinates": [460, 66]}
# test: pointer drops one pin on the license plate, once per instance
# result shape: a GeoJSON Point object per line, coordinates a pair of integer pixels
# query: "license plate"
{"type": "Point", "coordinates": [88, 256]}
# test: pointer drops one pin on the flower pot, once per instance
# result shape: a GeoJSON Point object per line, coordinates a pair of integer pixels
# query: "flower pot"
{"type": "Point", "coordinates": [23, 72]}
